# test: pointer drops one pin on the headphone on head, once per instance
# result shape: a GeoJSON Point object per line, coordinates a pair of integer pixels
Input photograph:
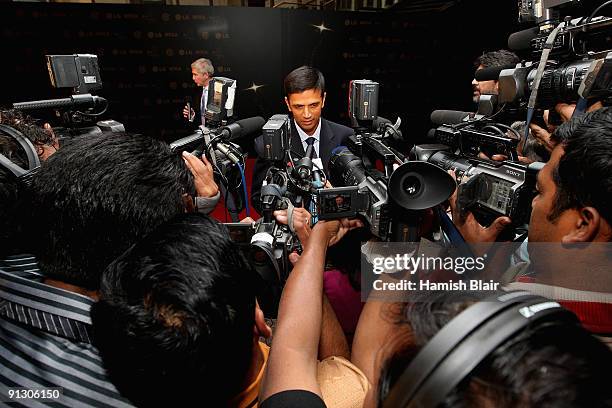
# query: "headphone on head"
{"type": "Point", "coordinates": [27, 146]}
{"type": "Point", "coordinates": [461, 345]}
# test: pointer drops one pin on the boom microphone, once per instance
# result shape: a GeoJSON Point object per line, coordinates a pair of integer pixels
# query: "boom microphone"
{"type": "Point", "coordinates": [238, 130]}
{"type": "Point", "coordinates": [241, 128]}
{"type": "Point", "coordinates": [86, 100]}
{"type": "Point", "coordinates": [451, 117]}
{"type": "Point", "coordinates": [521, 40]}
{"type": "Point", "coordinates": [491, 73]}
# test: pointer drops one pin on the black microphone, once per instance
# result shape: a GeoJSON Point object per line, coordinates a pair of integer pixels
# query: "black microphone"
{"type": "Point", "coordinates": [491, 73]}
{"type": "Point", "coordinates": [87, 100]}
{"type": "Point", "coordinates": [241, 128]}
{"type": "Point", "coordinates": [237, 130]}
{"type": "Point", "coordinates": [521, 40]}
{"type": "Point", "coordinates": [451, 117]}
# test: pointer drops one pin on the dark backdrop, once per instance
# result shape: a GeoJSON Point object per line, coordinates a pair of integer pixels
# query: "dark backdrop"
{"type": "Point", "coordinates": [423, 61]}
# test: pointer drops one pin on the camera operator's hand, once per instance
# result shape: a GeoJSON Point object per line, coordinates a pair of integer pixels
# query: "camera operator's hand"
{"type": "Point", "coordinates": [336, 229]}
{"type": "Point", "coordinates": [542, 135]}
{"type": "Point", "coordinates": [470, 228]}
{"type": "Point", "coordinates": [301, 222]}
{"type": "Point", "coordinates": [202, 175]}
{"type": "Point", "coordinates": [502, 157]}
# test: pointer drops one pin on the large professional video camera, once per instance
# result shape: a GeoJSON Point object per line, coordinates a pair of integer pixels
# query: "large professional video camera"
{"type": "Point", "coordinates": [80, 112]}
{"type": "Point", "coordinates": [267, 245]}
{"type": "Point", "coordinates": [376, 181]}
{"type": "Point", "coordinates": [489, 189]}
{"type": "Point", "coordinates": [566, 61]}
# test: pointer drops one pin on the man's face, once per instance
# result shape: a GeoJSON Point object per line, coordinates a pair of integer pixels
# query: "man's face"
{"type": "Point", "coordinates": [200, 79]}
{"type": "Point", "coordinates": [306, 108]}
{"type": "Point", "coordinates": [541, 228]}
{"type": "Point", "coordinates": [483, 87]}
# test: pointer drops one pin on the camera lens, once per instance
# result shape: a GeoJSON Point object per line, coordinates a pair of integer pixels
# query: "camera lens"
{"type": "Point", "coordinates": [345, 168]}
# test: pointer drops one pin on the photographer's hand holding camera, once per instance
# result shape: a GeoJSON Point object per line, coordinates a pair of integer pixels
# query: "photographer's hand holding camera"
{"type": "Point", "coordinates": [206, 189]}
{"type": "Point", "coordinates": [471, 230]}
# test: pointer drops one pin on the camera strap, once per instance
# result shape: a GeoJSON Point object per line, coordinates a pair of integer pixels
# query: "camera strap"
{"type": "Point", "coordinates": [538, 77]}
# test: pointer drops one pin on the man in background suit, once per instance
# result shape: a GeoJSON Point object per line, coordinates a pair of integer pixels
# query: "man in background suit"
{"type": "Point", "coordinates": [202, 71]}
{"type": "Point", "coordinates": [305, 99]}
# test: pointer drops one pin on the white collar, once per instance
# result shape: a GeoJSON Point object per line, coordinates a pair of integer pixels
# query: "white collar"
{"type": "Point", "coordinates": [304, 136]}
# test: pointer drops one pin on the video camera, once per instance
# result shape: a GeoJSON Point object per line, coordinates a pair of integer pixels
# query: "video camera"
{"type": "Point", "coordinates": [488, 189]}
{"type": "Point", "coordinates": [267, 244]}
{"type": "Point", "coordinates": [80, 112]}
{"type": "Point", "coordinates": [376, 181]}
{"type": "Point", "coordinates": [580, 52]}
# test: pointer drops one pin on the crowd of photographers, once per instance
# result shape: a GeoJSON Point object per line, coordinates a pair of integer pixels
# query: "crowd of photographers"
{"type": "Point", "coordinates": [117, 289]}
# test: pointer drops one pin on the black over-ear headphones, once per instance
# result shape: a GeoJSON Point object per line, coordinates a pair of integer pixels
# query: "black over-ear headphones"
{"type": "Point", "coordinates": [27, 146]}
{"type": "Point", "coordinates": [460, 346]}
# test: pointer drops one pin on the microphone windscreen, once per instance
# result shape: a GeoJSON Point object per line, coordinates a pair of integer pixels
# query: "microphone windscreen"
{"type": "Point", "coordinates": [448, 117]}
{"type": "Point", "coordinates": [521, 40]}
{"type": "Point", "coordinates": [250, 125]}
{"type": "Point", "coordinates": [491, 73]}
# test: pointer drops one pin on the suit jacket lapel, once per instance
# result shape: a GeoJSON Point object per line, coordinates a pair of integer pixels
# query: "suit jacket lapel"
{"type": "Point", "coordinates": [327, 142]}
{"type": "Point", "coordinates": [296, 142]}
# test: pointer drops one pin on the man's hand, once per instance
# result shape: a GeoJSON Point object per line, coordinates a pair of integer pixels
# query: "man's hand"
{"type": "Point", "coordinates": [301, 222]}
{"type": "Point", "coordinates": [334, 230]}
{"type": "Point", "coordinates": [202, 175]}
{"type": "Point", "coordinates": [502, 157]}
{"type": "Point", "coordinates": [470, 228]}
{"type": "Point", "coordinates": [542, 135]}
{"type": "Point", "coordinates": [188, 113]}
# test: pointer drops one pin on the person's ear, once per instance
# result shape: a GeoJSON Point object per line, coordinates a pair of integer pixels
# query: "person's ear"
{"type": "Point", "coordinates": [40, 151]}
{"type": "Point", "coordinates": [261, 328]}
{"type": "Point", "coordinates": [287, 103]}
{"type": "Point", "coordinates": [323, 103]}
{"type": "Point", "coordinates": [586, 226]}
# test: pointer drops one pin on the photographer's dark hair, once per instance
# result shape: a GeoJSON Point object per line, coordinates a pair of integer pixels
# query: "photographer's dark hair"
{"type": "Point", "coordinates": [96, 197]}
{"type": "Point", "coordinates": [174, 323]}
{"type": "Point", "coordinates": [584, 174]}
{"type": "Point", "coordinates": [302, 79]}
{"type": "Point", "coordinates": [496, 59]}
{"type": "Point", "coordinates": [546, 365]}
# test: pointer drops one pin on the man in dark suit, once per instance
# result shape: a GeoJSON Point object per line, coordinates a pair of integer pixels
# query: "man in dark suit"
{"type": "Point", "coordinates": [305, 99]}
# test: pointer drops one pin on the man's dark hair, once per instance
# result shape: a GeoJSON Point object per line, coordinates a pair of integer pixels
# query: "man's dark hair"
{"type": "Point", "coordinates": [174, 323]}
{"type": "Point", "coordinates": [496, 59]}
{"type": "Point", "coordinates": [97, 196]}
{"type": "Point", "coordinates": [302, 79]}
{"type": "Point", "coordinates": [547, 365]}
{"type": "Point", "coordinates": [584, 175]}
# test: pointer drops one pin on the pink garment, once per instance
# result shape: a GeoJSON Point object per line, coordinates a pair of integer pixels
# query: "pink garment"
{"type": "Point", "coordinates": [345, 300]}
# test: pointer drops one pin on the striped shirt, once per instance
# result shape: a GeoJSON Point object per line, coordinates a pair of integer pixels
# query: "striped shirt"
{"type": "Point", "coordinates": [45, 341]}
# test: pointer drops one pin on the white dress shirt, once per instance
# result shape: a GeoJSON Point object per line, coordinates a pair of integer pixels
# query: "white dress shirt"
{"type": "Point", "coordinates": [304, 136]}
